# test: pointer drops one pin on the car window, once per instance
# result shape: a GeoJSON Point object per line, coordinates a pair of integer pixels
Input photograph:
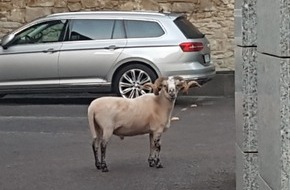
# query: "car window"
{"type": "Point", "coordinates": [143, 29]}
{"type": "Point", "coordinates": [119, 30]}
{"type": "Point", "coordinates": [51, 31]}
{"type": "Point", "coordinates": [94, 29]}
{"type": "Point", "coordinates": [187, 28]}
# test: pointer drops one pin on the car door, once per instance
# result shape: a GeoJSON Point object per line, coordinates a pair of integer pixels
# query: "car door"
{"type": "Point", "coordinates": [92, 48]}
{"type": "Point", "coordinates": [31, 60]}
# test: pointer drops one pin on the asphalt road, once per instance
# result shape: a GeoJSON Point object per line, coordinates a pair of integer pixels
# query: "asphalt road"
{"type": "Point", "coordinates": [45, 144]}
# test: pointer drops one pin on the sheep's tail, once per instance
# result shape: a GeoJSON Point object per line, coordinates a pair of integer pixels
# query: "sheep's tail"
{"type": "Point", "coordinates": [92, 123]}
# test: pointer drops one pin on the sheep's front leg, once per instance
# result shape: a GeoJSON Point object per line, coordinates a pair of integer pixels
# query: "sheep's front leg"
{"type": "Point", "coordinates": [155, 148]}
{"type": "Point", "coordinates": [151, 156]}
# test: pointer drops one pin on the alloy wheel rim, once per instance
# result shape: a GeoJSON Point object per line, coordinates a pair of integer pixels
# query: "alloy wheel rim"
{"type": "Point", "coordinates": [131, 82]}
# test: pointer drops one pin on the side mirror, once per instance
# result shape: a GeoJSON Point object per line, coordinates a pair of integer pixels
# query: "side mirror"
{"type": "Point", "coordinates": [6, 40]}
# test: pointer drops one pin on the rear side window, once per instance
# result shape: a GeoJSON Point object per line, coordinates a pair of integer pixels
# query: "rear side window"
{"type": "Point", "coordinates": [143, 29]}
{"type": "Point", "coordinates": [187, 28]}
{"type": "Point", "coordinates": [96, 29]}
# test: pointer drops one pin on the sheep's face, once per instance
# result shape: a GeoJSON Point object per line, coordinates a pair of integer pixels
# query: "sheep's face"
{"type": "Point", "coordinates": [170, 86]}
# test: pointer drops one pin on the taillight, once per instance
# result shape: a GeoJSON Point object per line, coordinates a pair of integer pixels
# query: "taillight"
{"type": "Point", "coordinates": [191, 46]}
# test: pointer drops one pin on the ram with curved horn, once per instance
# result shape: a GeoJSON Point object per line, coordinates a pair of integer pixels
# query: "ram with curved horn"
{"type": "Point", "coordinates": [146, 114]}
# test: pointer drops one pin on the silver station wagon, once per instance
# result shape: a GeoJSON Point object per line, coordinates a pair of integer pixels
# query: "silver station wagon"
{"type": "Point", "coordinates": [102, 52]}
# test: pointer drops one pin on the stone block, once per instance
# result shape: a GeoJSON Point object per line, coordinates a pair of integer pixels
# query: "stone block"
{"type": "Point", "coordinates": [246, 170]}
{"type": "Point", "coordinates": [149, 5]}
{"type": "Point", "coordinates": [184, 7]}
{"type": "Point", "coordinates": [273, 120]}
{"type": "Point", "coordinates": [246, 98]}
{"type": "Point", "coordinates": [246, 23]}
{"type": "Point", "coordinates": [9, 25]}
{"type": "Point", "coordinates": [40, 3]}
{"type": "Point", "coordinates": [60, 4]}
{"type": "Point", "coordinates": [36, 12]}
{"type": "Point", "coordinates": [16, 15]}
{"type": "Point", "coordinates": [128, 6]}
{"type": "Point", "coordinates": [5, 6]}
{"type": "Point", "coordinates": [89, 3]}
{"type": "Point", "coordinates": [74, 6]}
{"type": "Point", "coordinates": [274, 27]}
{"type": "Point", "coordinates": [18, 4]}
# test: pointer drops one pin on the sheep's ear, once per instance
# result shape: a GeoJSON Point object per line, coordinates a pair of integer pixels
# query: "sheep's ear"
{"type": "Point", "coordinates": [151, 86]}
{"type": "Point", "coordinates": [180, 82]}
{"type": "Point", "coordinates": [158, 82]}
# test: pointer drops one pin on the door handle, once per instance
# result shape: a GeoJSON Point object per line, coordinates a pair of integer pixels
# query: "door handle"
{"type": "Point", "coordinates": [50, 50]}
{"type": "Point", "coordinates": [112, 47]}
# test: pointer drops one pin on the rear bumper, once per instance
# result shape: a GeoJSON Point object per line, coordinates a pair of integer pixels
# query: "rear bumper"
{"type": "Point", "coordinates": [201, 75]}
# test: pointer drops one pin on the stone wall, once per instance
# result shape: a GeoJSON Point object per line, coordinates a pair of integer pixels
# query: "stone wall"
{"type": "Point", "coordinates": [213, 17]}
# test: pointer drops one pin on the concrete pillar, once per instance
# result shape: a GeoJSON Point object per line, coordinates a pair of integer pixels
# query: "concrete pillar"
{"type": "Point", "coordinates": [274, 94]}
{"type": "Point", "coordinates": [262, 79]}
{"type": "Point", "coordinates": [246, 95]}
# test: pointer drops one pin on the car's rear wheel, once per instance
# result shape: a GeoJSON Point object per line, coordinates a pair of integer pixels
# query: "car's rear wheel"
{"type": "Point", "coordinates": [130, 79]}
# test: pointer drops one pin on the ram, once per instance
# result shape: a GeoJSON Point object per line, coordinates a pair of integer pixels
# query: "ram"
{"type": "Point", "coordinates": [146, 114]}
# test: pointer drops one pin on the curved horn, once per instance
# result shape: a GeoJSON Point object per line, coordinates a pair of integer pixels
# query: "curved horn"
{"type": "Point", "coordinates": [159, 80]}
{"type": "Point", "coordinates": [158, 84]}
{"type": "Point", "coordinates": [190, 84]}
{"type": "Point", "coordinates": [178, 78]}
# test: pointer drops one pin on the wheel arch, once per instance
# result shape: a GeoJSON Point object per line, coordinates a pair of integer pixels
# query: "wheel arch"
{"type": "Point", "coordinates": [129, 62]}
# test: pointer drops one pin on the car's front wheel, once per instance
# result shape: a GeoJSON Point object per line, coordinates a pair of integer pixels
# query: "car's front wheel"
{"type": "Point", "coordinates": [130, 79]}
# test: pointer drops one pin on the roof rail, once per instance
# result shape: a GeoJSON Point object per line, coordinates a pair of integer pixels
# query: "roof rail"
{"type": "Point", "coordinates": [109, 12]}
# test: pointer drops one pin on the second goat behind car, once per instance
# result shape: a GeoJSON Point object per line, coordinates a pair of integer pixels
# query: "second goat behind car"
{"type": "Point", "coordinates": [149, 113]}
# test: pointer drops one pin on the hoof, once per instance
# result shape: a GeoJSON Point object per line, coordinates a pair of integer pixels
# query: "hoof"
{"type": "Point", "coordinates": [151, 163]}
{"type": "Point", "coordinates": [105, 169]}
{"type": "Point", "coordinates": [159, 166]}
{"type": "Point", "coordinates": [98, 166]}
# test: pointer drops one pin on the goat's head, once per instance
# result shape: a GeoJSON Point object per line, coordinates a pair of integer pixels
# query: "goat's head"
{"type": "Point", "coordinates": [170, 86]}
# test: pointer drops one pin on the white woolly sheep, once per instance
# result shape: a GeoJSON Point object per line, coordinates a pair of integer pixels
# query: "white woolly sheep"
{"type": "Point", "coordinates": [149, 113]}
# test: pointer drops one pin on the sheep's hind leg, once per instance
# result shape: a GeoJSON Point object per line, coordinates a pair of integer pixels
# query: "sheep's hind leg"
{"type": "Point", "coordinates": [151, 158]}
{"type": "Point", "coordinates": [103, 156]}
{"type": "Point", "coordinates": [95, 151]}
{"type": "Point", "coordinates": [106, 137]}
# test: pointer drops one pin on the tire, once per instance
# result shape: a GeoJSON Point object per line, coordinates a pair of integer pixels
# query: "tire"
{"type": "Point", "coordinates": [130, 79]}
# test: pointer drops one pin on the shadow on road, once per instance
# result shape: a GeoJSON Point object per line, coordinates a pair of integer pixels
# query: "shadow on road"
{"type": "Point", "coordinates": [68, 99]}
{"type": "Point", "coordinates": [39, 99]}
